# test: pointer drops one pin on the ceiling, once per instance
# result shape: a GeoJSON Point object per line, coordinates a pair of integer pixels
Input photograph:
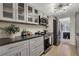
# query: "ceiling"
{"type": "Point", "coordinates": [49, 9]}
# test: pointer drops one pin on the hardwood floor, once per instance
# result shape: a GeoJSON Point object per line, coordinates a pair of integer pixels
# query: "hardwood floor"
{"type": "Point", "coordinates": [64, 49]}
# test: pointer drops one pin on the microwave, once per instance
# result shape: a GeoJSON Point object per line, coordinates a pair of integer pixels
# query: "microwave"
{"type": "Point", "coordinates": [43, 21]}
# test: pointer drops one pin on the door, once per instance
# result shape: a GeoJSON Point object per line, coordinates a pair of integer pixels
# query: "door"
{"type": "Point", "coordinates": [54, 32]}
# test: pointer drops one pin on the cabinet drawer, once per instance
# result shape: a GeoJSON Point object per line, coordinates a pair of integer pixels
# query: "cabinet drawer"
{"type": "Point", "coordinates": [34, 40]}
{"type": "Point", "coordinates": [37, 51]}
{"type": "Point", "coordinates": [33, 46]}
{"type": "Point", "coordinates": [38, 42]}
{"type": "Point", "coordinates": [8, 48]}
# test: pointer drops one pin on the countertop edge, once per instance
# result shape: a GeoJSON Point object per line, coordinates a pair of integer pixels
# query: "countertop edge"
{"type": "Point", "coordinates": [20, 40]}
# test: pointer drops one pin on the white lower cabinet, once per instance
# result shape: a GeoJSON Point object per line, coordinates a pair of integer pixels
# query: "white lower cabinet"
{"type": "Point", "coordinates": [36, 46]}
{"type": "Point", "coordinates": [32, 47]}
{"type": "Point", "coordinates": [37, 51]}
{"type": "Point", "coordinates": [13, 53]}
{"type": "Point", "coordinates": [15, 49]}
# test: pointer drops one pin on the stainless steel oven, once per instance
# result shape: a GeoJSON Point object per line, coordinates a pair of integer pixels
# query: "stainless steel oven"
{"type": "Point", "coordinates": [47, 43]}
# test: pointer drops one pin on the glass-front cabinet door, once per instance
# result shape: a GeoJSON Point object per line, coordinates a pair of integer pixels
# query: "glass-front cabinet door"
{"type": "Point", "coordinates": [8, 11]}
{"type": "Point", "coordinates": [20, 11]}
{"type": "Point", "coordinates": [36, 19]}
{"type": "Point", "coordinates": [35, 12]}
{"type": "Point", "coordinates": [30, 14]}
{"type": "Point", "coordinates": [30, 19]}
{"type": "Point", "coordinates": [30, 10]}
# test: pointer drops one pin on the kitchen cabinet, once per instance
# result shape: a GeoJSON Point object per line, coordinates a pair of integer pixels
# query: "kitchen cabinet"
{"type": "Point", "coordinates": [36, 16]}
{"type": "Point", "coordinates": [30, 19]}
{"type": "Point", "coordinates": [7, 11]}
{"type": "Point", "coordinates": [36, 11]}
{"type": "Point", "coordinates": [16, 12]}
{"type": "Point", "coordinates": [36, 46]}
{"type": "Point", "coordinates": [15, 49]}
{"type": "Point", "coordinates": [32, 47]}
{"type": "Point", "coordinates": [30, 10]}
{"type": "Point", "coordinates": [13, 53]}
{"type": "Point", "coordinates": [32, 16]}
{"type": "Point", "coordinates": [20, 13]}
{"type": "Point", "coordinates": [36, 19]}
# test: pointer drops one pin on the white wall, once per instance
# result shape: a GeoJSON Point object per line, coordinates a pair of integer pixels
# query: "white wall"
{"type": "Point", "coordinates": [72, 29]}
{"type": "Point", "coordinates": [50, 24]}
{"type": "Point", "coordinates": [65, 22]}
{"type": "Point", "coordinates": [32, 28]}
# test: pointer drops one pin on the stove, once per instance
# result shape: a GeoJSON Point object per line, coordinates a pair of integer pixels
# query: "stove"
{"type": "Point", "coordinates": [46, 42]}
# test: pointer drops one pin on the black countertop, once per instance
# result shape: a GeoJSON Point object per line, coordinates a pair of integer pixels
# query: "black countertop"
{"type": "Point", "coordinates": [5, 41]}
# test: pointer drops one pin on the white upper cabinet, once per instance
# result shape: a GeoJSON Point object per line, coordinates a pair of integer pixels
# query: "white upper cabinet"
{"type": "Point", "coordinates": [30, 14]}
{"type": "Point", "coordinates": [19, 12]}
{"type": "Point", "coordinates": [7, 11]}
{"type": "Point", "coordinates": [30, 10]}
{"type": "Point", "coordinates": [36, 16]}
{"type": "Point", "coordinates": [36, 11]}
{"type": "Point", "coordinates": [36, 19]}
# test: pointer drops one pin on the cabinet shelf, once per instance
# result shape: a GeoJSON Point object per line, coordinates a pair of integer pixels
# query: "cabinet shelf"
{"type": "Point", "coordinates": [21, 15]}
{"type": "Point", "coordinates": [7, 11]}
{"type": "Point", "coordinates": [20, 7]}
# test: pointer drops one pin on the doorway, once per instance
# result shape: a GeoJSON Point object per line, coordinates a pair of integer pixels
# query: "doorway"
{"type": "Point", "coordinates": [64, 29]}
{"type": "Point", "coordinates": [56, 40]}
